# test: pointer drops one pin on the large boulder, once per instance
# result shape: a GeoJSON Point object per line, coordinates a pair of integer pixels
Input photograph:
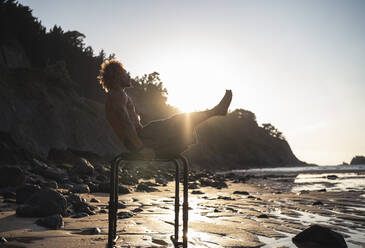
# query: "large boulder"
{"type": "Point", "coordinates": [45, 202]}
{"type": "Point", "coordinates": [24, 192]}
{"type": "Point", "coordinates": [48, 172]}
{"type": "Point", "coordinates": [319, 237]}
{"type": "Point", "coordinates": [52, 222]}
{"type": "Point", "coordinates": [11, 176]}
{"type": "Point", "coordinates": [80, 205]}
{"type": "Point", "coordinates": [80, 166]}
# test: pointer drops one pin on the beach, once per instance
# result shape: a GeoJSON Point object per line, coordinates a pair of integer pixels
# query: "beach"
{"type": "Point", "coordinates": [259, 212]}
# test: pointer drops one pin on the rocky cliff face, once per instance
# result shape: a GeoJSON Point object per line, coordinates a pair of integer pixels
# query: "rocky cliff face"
{"type": "Point", "coordinates": [41, 114]}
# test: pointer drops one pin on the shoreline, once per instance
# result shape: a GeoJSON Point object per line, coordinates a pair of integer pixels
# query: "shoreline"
{"type": "Point", "coordinates": [267, 215]}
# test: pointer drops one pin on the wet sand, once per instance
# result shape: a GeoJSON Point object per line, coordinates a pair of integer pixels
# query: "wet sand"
{"type": "Point", "coordinates": [268, 217]}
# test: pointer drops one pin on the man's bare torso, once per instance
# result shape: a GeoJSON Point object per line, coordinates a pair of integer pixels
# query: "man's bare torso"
{"type": "Point", "coordinates": [121, 114]}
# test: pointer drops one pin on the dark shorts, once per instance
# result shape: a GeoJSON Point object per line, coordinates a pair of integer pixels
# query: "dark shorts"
{"type": "Point", "coordinates": [170, 136]}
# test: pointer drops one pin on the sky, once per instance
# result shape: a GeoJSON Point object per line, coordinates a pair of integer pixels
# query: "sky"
{"type": "Point", "coordinates": [299, 65]}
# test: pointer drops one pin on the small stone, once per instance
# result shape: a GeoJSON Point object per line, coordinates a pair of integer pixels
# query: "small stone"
{"type": "Point", "coordinates": [217, 210]}
{"type": "Point", "coordinates": [322, 190]}
{"type": "Point", "coordinates": [303, 192]}
{"type": "Point", "coordinates": [80, 188]}
{"type": "Point", "coordinates": [226, 198]}
{"type": "Point", "coordinates": [316, 203]}
{"type": "Point", "coordinates": [137, 210]}
{"type": "Point", "coordinates": [79, 215]}
{"type": "Point", "coordinates": [159, 241]}
{"type": "Point", "coordinates": [94, 200]}
{"type": "Point", "coordinates": [124, 215]}
{"type": "Point", "coordinates": [251, 197]}
{"type": "Point", "coordinates": [332, 177]}
{"type": "Point", "coordinates": [263, 216]}
{"type": "Point", "coordinates": [91, 231]}
{"type": "Point", "coordinates": [241, 193]}
{"type": "Point", "coordinates": [197, 192]}
{"type": "Point", "coordinates": [103, 211]}
{"type": "Point", "coordinates": [121, 205]}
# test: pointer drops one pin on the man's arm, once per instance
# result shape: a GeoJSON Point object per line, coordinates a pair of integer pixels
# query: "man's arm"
{"type": "Point", "coordinates": [119, 104]}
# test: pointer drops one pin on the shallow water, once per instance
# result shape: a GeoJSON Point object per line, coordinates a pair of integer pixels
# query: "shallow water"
{"type": "Point", "coordinates": [343, 182]}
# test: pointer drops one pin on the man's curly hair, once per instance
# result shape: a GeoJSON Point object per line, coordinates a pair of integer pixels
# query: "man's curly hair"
{"type": "Point", "coordinates": [109, 71]}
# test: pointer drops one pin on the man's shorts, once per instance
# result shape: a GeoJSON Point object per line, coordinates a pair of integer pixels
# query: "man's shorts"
{"type": "Point", "coordinates": [169, 137]}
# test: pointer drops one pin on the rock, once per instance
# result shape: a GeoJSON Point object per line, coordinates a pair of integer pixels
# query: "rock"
{"type": "Point", "coordinates": [316, 203]}
{"type": "Point", "coordinates": [50, 184]}
{"type": "Point", "coordinates": [53, 221]}
{"type": "Point", "coordinates": [24, 192]}
{"type": "Point", "coordinates": [103, 211]}
{"type": "Point", "coordinates": [144, 187]}
{"type": "Point", "coordinates": [226, 198]}
{"type": "Point", "coordinates": [250, 197]}
{"type": "Point", "coordinates": [91, 231]}
{"type": "Point", "coordinates": [80, 188]}
{"type": "Point", "coordinates": [213, 183]}
{"type": "Point", "coordinates": [43, 203]}
{"type": "Point", "coordinates": [319, 237]}
{"type": "Point", "coordinates": [79, 165]}
{"type": "Point", "coordinates": [241, 193]}
{"type": "Point", "coordinates": [216, 210]}
{"type": "Point", "coordinates": [193, 186]}
{"type": "Point", "coordinates": [11, 176]}
{"type": "Point", "coordinates": [263, 216]}
{"type": "Point", "coordinates": [8, 193]}
{"type": "Point", "coordinates": [332, 177]}
{"type": "Point", "coordinates": [94, 200]}
{"type": "Point", "coordinates": [137, 210]}
{"type": "Point", "coordinates": [159, 242]}
{"type": "Point", "coordinates": [161, 181]}
{"type": "Point", "coordinates": [121, 205]}
{"type": "Point", "coordinates": [93, 187]}
{"type": "Point", "coordinates": [197, 192]}
{"type": "Point", "coordinates": [79, 215]}
{"type": "Point", "coordinates": [303, 192]}
{"type": "Point", "coordinates": [124, 215]}
{"type": "Point", "coordinates": [127, 179]}
{"type": "Point", "coordinates": [83, 167]}
{"type": "Point", "coordinates": [80, 205]}
{"type": "Point", "coordinates": [322, 190]}
{"type": "Point", "coordinates": [105, 188]}
{"type": "Point", "coordinates": [44, 170]}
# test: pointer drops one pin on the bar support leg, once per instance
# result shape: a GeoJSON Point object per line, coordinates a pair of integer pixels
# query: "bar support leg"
{"type": "Point", "coordinates": [177, 200]}
{"type": "Point", "coordinates": [185, 203]}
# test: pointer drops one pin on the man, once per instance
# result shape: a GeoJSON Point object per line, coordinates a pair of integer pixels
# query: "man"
{"type": "Point", "coordinates": [162, 138]}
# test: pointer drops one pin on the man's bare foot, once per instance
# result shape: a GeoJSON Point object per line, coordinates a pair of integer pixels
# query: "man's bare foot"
{"type": "Point", "coordinates": [223, 105]}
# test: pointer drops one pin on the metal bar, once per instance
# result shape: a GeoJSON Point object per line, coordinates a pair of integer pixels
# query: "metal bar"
{"type": "Point", "coordinates": [185, 203]}
{"type": "Point", "coordinates": [111, 215]}
{"type": "Point", "coordinates": [116, 192]}
{"type": "Point", "coordinates": [177, 199]}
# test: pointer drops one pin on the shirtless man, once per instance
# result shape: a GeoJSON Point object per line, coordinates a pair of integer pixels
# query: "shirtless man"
{"type": "Point", "coordinates": [161, 138]}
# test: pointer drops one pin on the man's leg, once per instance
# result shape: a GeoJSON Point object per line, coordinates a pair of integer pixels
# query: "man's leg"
{"type": "Point", "coordinates": [196, 118]}
{"type": "Point", "coordinates": [173, 135]}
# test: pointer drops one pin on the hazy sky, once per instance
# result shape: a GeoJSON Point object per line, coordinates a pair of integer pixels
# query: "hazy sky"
{"type": "Point", "coordinates": [299, 65]}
